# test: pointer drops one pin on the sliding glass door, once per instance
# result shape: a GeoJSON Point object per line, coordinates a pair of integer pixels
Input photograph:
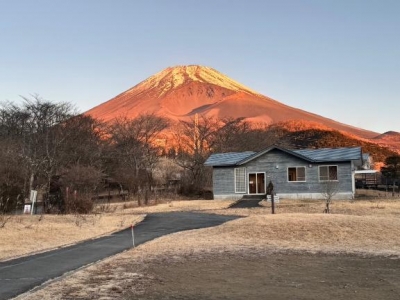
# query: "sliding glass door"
{"type": "Point", "coordinates": [256, 183]}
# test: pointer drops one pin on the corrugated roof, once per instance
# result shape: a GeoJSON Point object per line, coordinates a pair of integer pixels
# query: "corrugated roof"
{"type": "Point", "coordinates": [227, 159]}
{"type": "Point", "coordinates": [331, 154]}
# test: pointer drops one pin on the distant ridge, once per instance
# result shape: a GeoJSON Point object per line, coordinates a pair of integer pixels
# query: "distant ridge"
{"type": "Point", "coordinates": [389, 139]}
{"type": "Point", "coordinates": [389, 135]}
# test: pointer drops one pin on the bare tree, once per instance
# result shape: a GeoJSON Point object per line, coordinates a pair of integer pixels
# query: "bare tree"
{"type": "Point", "coordinates": [34, 126]}
{"type": "Point", "coordinates": [135, 149]}
{"type": "Point", "coordinates": [11, 176]}
{"type": "Point", "coordinates": [232, 135]}
{"type": "Point", "coordinates": [196, 139]}
{"type": "Point", "coordinates": [85, 141]}
{"type": "Point", "coordinates": [47, 137]}
{"type": "Point", "coordinates": [330, 187]}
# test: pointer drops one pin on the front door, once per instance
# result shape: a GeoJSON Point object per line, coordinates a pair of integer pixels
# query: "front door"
{"type": "Point", "coordinates": [256, 183]}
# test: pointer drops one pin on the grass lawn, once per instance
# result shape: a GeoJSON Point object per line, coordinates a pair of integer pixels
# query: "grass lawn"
{"type": "Point", "coordinates": [299, 233]}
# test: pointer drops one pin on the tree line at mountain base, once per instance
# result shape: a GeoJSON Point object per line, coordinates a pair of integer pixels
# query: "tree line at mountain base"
{"type": "Point", "coordinates": [71, 158]}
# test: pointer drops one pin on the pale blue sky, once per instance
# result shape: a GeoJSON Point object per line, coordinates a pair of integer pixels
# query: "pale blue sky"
{"type": "Point", "coordinates": [336, 58]}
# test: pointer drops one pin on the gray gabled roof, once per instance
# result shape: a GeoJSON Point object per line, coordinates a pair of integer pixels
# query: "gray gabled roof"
{"type": "Point", "coordinates": [262, 152]}
{"type": "Point", "coordinates": [310, 155]}
{"type": "Point", "coordinates": [227, 159]}
{"type": "Point", "coordinates": [331, 154]}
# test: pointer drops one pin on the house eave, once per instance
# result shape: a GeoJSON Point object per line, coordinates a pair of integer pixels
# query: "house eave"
{"type": "Point", "coordinates": [220, 165]}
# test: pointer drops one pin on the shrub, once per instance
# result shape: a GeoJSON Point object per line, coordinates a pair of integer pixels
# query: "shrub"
{"type": "Point", "coordinates": [76, 203]}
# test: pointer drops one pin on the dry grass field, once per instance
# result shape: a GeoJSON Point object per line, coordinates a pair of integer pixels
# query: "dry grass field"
{"type": "Point", "coordinates": [167, 206]}
{"type": "Point", "coordinates": [26, 234]}
{"type": "Point", "coordinates": [362, 234]}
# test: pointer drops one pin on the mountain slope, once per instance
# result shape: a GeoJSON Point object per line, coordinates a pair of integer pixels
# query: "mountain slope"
{"type": "Point", "coordinates": [178, 93]}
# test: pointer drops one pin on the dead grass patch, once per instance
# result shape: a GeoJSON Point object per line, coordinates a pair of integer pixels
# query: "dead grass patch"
{"type": "Point", "coordinates": [364, 194]}
{"type": "Point", "coordinates": [169, 206]}
{"type": "Point", "coordinates": [372, 235]}
{"type": "Point", "coordinates": [355, 207]}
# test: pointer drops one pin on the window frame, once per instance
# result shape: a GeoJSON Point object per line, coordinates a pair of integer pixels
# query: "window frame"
{"type": "Point", "coordinates": [297, 167]}
{"type": "Point", "coordinates": [244, 190]}
{"type": "Point", "coordinates": [328, 166]}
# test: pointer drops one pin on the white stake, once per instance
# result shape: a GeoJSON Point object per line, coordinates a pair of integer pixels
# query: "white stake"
{"type": "Point", "coordinates": [133, 236]}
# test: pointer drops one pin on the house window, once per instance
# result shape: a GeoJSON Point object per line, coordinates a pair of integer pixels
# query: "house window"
{"type": "Point", "coordinates": [297, 174]}
{"type": "Point", "coordinates": [240, 180]}
{"type": "Point", "coordinates": [327, 173]}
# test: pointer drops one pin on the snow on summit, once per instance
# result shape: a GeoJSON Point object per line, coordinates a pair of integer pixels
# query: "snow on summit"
{"type": "Point", "coordinates": [174, 77]}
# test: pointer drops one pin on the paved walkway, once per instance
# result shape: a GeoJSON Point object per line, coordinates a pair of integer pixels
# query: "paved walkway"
{"type": "Point", "coordinates": [248, 203]}
{"type": "Point", "coordinates": [22, 274]}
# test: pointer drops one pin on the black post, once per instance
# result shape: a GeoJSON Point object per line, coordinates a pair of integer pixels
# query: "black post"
{"type": "Point", "coordinates": [272, 203]}
{"type": "Point", "coordinates": [270, 191]}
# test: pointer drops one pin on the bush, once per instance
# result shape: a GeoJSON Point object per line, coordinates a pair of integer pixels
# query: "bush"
{"type": "Point", "coordinates": [78, 204]}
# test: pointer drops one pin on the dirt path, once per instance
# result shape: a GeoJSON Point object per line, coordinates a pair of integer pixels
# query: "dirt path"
{"type": "Point", "coordinates": [275, 276]}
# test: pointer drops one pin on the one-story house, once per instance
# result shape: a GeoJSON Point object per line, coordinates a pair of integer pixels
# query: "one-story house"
{"type": "Point", "coordinates": [295, 174]}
